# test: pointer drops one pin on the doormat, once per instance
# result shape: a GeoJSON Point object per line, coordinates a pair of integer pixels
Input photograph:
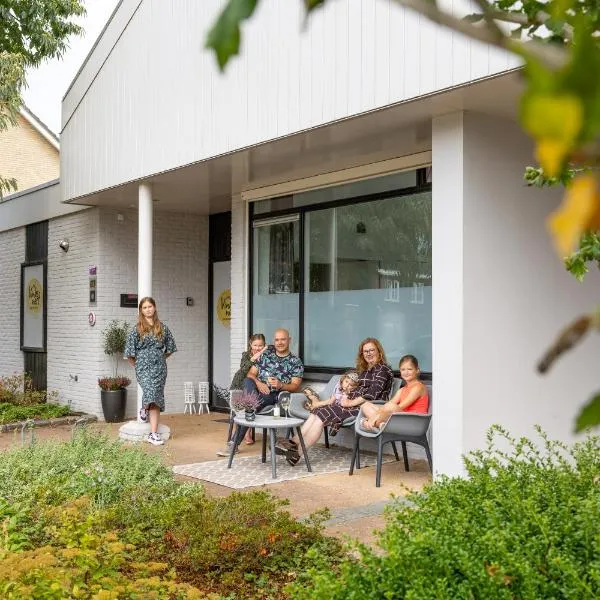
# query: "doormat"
{"type": "Point", "coordinates": [249, 471]}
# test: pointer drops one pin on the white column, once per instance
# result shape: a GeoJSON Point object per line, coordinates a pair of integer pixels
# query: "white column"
{"type": "Point", "coordinates": [447, 293]}
{"type": "Point", "coordinates": [144, 240]}
{"type": "Point", "coordinates": [136, 430]}
{"type": "Point", "coordinates": [144, 254]}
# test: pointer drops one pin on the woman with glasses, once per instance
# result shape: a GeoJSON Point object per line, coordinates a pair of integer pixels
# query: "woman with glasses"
{"type": "Point", "coordinates": [374, 384]}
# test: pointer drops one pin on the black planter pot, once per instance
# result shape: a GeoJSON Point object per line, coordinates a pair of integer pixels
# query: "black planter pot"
{"type": "Point", "coordinates": [113, 405]}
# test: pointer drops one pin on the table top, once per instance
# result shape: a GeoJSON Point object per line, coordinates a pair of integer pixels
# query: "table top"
{"type": "Point", "coordinates": [269, 422]}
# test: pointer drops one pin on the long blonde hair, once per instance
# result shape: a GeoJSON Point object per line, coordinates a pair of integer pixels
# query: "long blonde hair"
{"type": "Point", "coordinates": [361, 363]}
{"type": "Point", "coordinates": [143, 327]}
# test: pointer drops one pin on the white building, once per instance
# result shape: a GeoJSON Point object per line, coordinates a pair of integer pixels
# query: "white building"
{"type": "Point", "coordinates": [360, 178]}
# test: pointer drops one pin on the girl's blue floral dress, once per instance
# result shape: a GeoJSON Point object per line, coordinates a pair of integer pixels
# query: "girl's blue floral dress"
{"type": "Point", "coordinates": [151, 364]}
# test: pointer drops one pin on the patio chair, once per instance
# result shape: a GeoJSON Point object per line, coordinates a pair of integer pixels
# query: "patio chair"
{"type": "Point", "coordinates": [401, 427]}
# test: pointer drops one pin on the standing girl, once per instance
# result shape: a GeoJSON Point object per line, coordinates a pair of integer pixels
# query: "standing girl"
{"type": "Point", "coordinates": [149, 344]}
{"type": "Point", "coordinates": [412, 397]}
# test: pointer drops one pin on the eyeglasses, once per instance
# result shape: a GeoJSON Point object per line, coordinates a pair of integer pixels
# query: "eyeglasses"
{"type": "Point", "coordinates": [371, 351]}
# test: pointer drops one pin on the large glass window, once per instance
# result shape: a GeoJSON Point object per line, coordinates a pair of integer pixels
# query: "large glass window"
{"type": "Point", "coordinates": [354, 267]}
{"type": "Point", "coordinates": [368, 274]}
{"type": "Point", "coordinates": [276, 272]}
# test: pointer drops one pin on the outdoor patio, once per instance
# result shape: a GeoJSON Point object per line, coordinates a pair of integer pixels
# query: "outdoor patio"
{"type": "Point", "coordinates": [355, 503]}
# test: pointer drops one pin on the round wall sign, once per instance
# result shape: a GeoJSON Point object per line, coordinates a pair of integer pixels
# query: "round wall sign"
{"type": "Point", "coordinates": [92, 319]}
{"type": "Point", "coordinates": [224, 307]}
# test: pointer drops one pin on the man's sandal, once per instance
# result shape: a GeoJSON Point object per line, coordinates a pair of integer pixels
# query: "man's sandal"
{"type": "Point", "coordinates": [282, 446]}
{"type": "Point", "coordinates": [292, 457]}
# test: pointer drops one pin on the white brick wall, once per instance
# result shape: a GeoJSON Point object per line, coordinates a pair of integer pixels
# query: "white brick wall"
{"type": "Point", "coordinates": [239, 283]}
{"type": "Point", "coordinates": [98, 237]}
{"type": "Point", "coordinates": [12, 254]}
{"type": "Point", "coordinates": [73, 346]}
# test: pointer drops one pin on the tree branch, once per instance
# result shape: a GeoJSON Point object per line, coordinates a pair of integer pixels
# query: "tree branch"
{"type": "Point", "coordinates": [554, 57]}
{"type": "Point", "coordinates": [541, 18]}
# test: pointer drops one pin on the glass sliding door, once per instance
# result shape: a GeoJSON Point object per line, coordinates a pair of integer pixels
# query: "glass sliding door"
{"type": "Point", "coordinates": [275, 280]}
{"type": "Point", "coordinates": [367, 273]}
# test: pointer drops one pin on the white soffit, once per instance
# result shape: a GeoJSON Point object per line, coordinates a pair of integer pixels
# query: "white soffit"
{"type": "Point", "coordinates": [369, 171]}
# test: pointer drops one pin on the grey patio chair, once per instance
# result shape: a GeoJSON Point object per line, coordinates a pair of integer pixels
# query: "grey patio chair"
{"type": "Point", "coordinates": [402, 427]}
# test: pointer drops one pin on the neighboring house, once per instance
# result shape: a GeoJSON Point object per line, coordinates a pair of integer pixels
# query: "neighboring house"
{"type": "Point", "coordinates": [29, 152]}
{"type": "Point", "coordinates": [363, 177]}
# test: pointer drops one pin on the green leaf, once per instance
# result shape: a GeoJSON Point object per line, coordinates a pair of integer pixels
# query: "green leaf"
{"type": "Point", "coordinates": [224, 37]}
{"type": "Point", "coordinates": [311, 4]}
{"type": "Point", "coordinates": [589, 415]}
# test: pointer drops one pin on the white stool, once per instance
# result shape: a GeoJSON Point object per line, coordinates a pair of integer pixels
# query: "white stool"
{"type": "Point", "coordinates": [188, 400]}
{"type": "Point", "coordinates": [203, 397]}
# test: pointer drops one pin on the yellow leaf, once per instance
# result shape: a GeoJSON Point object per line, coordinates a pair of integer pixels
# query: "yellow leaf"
{"type": "Point", "coordinates": [575, 214]}
{"type": "Point", "coordinates": [556, 117]}
{"type": "Point", "coordinates": [555, 123]}
{"type": "Point", "coordinates": [551, 155]}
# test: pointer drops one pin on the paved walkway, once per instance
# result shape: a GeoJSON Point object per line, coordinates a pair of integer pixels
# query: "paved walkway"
{"type": "Point", "coordinates": [355, 503]}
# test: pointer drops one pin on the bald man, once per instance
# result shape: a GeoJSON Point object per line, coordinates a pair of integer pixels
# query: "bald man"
{"type": "Point", "coordinates": [275, 371]}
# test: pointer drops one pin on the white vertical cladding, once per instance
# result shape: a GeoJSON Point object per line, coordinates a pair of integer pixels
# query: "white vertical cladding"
{"type": "Point", "coordinates": [12, 254]}
{"type": "Point", "coordinates": [517, 295]}
{"type": "Point", "coordinates": [74, 347]}
{"type": "Point", "coordinates": [152, 98]}
{"type": "Point", "coordinates": [447, 293]}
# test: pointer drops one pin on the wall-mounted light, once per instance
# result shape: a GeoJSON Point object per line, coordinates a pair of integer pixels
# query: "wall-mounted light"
{"type": "Point", "coordinates": [64, 245]}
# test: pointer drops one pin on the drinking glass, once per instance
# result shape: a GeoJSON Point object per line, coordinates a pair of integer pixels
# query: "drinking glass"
{"type": "Point", "coordinates": [284, 400]}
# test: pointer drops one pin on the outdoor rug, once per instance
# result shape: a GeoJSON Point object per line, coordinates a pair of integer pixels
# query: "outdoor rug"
{"type": "Point", "coordinates": [249, 471]}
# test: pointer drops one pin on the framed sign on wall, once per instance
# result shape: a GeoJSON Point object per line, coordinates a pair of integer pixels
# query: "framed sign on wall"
{"type": "Point", "coordinates": [33, 306]}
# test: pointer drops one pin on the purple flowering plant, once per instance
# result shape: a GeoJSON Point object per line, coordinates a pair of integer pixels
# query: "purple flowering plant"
{"type": "Point", "coordinates": [248, 401]}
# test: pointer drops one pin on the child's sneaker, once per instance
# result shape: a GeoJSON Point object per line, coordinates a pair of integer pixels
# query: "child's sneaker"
{"type": "Point", "coordinates": [154, 438]}
{"type": "Point", "coordinates": [143, 415]}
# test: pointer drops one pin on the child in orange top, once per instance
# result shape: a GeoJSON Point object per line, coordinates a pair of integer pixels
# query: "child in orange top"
{"type": "Point", "coordinates": [412, 397]}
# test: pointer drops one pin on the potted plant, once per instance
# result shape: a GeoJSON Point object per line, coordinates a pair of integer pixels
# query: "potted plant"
{"type": "Point", "coordinates": [113, 389]}
{"type": "Point", "coordinates": [247, 402]}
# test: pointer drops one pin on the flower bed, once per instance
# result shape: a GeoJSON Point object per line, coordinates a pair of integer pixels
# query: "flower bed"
{"type": "Point", "coordinates": [93, 518]}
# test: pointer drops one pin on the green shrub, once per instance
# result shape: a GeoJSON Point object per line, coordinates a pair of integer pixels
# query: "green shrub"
{"type": "Point", "coordinates": [11, 413]}
{"type": "Point", "coordinates": [90, 464]}
{"type": "Point", "coordinates": [524, 525]}
{"type": "Point", "coordinates": [18, 389]}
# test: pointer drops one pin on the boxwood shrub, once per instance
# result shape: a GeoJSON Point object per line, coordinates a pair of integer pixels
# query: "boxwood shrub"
{"type": "Point", "coordinates": [524, 524]}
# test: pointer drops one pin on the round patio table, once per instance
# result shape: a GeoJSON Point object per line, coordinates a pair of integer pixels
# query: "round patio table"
{"type": "Point", "coordinates": [271, 424]}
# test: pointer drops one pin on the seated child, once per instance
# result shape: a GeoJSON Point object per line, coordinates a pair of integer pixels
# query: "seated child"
{"type": "Point", "coordinates": [412, 397]}
{"type": "Point", "coordinates": [348, 383]}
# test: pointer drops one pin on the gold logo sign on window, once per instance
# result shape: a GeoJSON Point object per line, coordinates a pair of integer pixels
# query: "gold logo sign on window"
{"type": "Point", "coordinates": [224, 307]}
{"type": "Point", "coordinates": [34, 296]}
